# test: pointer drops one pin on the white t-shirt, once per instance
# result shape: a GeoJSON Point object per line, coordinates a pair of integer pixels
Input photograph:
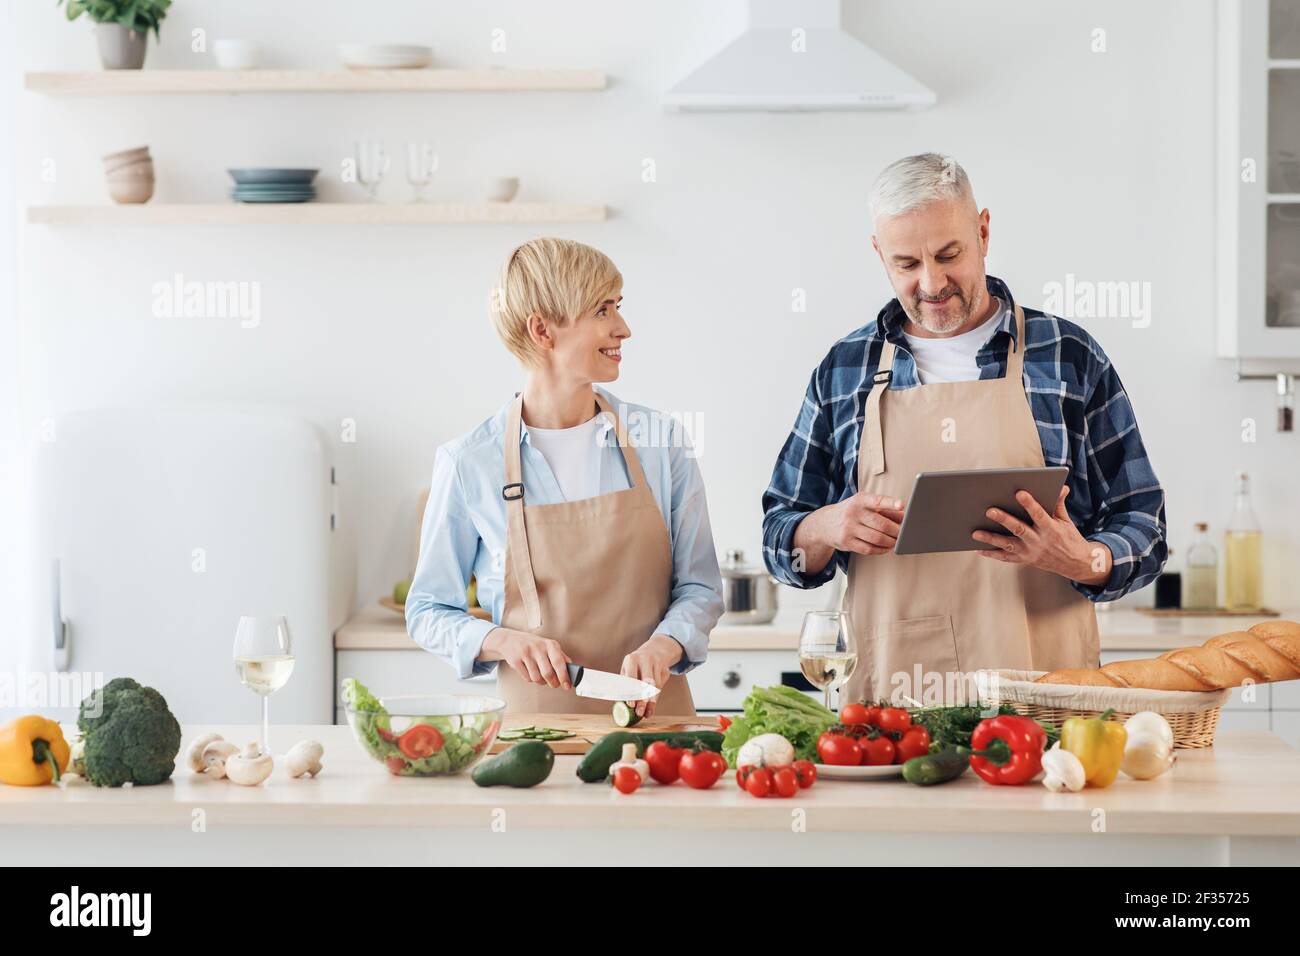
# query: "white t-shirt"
{"type": "Point", "coordinates": [952, 359]}
{"type": "Point", "coordinates": [574, 455]}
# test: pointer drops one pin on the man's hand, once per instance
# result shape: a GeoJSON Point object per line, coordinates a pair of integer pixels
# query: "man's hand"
{"type": "Point", "coordinates": [1050, 542]}
{"type": "Point", "coordinates": [650, 663]}
{"type": "Point", "coordinates": [865, 523]}
{"type": "Point", "coordinates": [538, 659]}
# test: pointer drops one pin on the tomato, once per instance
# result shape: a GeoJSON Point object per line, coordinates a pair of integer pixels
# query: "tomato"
{"type": "Point", "coordinates": [723, 722]}
{"type": "Point", "coordinates": [626, 780]}
{"type": "Point", "coordinates": [838, 750]}
{"type": "Point", "coordinates": [489, 736]}
{"type": "Point", "coordinates": [419, 741]}
{"type": "Point", "coordinates": [873, 715]}
{"type": "Point", "coordinates": [701, 768]}
{"type": "Point", "coordinates": [895, 719]}
{"type": "Point", "coordinates": [915, 743]}
{"type": "Point", "coordinates": [665, 761]}
{"type": "Point", "coordinates": [853, 714]}
{"type": "Point", "coordinates": [878, 752]}
{"type": "Point", "coordinates": [395, 764]}
{"type": "Point", "coordinates": [759, 783]}
{"type": "Point", "coordinates": [742, 774]}
{"type": "Point", "coordinates": [785, 781]}
{"type": "Point", "coordinates": [806, 771]}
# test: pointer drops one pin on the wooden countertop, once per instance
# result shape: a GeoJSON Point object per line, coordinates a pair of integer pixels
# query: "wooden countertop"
{"type": "Point", "coordinates": [375, 628]}
{"type": "Point", "coordinates": [1248, 785]}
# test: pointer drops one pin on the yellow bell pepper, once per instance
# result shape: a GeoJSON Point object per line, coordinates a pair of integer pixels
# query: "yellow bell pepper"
{"type": "Point", "coordinates": [1098, 742]}
{"type": "Point", "coordinates": [32, 751]}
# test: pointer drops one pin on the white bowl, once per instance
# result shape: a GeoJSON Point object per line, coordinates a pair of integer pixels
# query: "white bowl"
{"type": "Point", "coordinates": [502, 188]}
{"type": "Point", "coordinates": [236, 54]}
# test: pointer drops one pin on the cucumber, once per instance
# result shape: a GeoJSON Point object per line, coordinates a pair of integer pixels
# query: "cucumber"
{"type": "Point", "coordinates": [625, 715]}
{"type": "Point", "coordinates": [511, 735]}
{"type": "Point", "coordinates": [526, 764]}
{"type": "Point", "coordinates": [934, 768]}
{"type": "Point", "coordinates": [595, 764]}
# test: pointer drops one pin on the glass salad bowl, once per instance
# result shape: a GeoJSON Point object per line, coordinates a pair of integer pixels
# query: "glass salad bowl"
{"type": "Point", "coordinates": [423, 736]}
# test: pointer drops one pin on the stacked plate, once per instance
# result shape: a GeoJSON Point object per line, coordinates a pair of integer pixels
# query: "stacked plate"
{"type": "Point", "coordinates": [385, 56]}
{"type": "Point", "coordinates": [269, 184]}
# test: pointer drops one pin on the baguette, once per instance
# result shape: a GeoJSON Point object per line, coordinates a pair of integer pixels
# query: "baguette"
{"type": "Point", "coordinates": [1268, 652]}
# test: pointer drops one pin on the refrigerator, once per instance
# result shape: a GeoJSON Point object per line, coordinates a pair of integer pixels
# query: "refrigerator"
{"type": "Point", "coordinates": [158, 529]}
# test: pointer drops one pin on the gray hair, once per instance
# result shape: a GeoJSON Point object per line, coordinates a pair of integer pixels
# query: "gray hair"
{"type": "Point", "coordinates": [916, 181]}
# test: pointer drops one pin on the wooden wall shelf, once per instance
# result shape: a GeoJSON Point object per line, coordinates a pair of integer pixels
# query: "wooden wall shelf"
{"type": "Point", "coordinates": [316, 214]}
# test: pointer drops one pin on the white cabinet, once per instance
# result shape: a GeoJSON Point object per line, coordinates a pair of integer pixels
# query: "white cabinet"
{"type": "Point", "coordinates": [390, 673]}
{"type": "Point", "coordinates": [1258, 179]}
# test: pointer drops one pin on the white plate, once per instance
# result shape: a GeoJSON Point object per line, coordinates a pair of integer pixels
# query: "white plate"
{"type": "Point", "coordinates": [832, 772]}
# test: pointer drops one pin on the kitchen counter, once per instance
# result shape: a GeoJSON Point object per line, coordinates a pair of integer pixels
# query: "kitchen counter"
{"type": "Point", "coordinates": [1122, 629]}
{"type": "Point", "coordinates": [1238, 802]}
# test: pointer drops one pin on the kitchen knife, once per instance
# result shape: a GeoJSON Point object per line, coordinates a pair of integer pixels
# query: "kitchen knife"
{"type": "Point", "coordinates": [602, 685]}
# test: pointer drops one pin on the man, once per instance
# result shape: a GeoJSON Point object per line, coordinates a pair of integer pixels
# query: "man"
{"type": "Point", "coordinates": [954, 375]}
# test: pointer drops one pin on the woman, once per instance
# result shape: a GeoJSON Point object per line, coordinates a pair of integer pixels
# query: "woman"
{"type": "Point", "coordinates": [583, 520]}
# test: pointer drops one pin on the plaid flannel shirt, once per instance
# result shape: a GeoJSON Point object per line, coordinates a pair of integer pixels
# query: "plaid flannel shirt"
{"type": "Point", "coordinates": [1084, 420]}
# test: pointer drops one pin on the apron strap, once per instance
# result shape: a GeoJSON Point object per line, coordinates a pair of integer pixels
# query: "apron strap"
{"type": "Point", "coordinates": [630, 458]}
{"type": "Point", "coordinates": [875, 463]}
{"type": "Point", "coordinates": [1016, 352]}
{"type": "Point", "coordinates": [516, 529]}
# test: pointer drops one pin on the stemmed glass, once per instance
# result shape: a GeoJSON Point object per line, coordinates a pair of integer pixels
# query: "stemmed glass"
{"type": "Point", "coordinates": [827, 652]}
{"type": "Point", "coordinates": [263, 661]}
{"type": "Point", "coordinates": [421, 164]}
{"type": "Point", "coordinates": [372, 165]}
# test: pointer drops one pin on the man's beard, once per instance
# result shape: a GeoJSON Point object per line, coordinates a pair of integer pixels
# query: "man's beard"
{"type": "Point", "coordinates": [942, 323]}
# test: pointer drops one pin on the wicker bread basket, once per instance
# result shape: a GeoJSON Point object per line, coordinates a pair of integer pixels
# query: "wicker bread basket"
{"type": "Point", "coordinates": [1193, 715]}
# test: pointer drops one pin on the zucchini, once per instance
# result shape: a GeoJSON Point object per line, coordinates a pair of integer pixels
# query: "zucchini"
{"type": "Point", "coordinates": [526, 764]}
{"type": "Point", "coordinates": [934, 768]}
{"type": "Point", "coordinates": [595, 764]}
{"type": "Point", "coordinates": [625, 715]}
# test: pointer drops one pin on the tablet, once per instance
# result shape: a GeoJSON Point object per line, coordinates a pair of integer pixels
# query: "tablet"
{"type": "Point", "coordinates": [946, 506]}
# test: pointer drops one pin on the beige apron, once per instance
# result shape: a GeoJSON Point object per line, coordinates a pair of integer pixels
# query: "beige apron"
{"type": "Point", "coordinates": [594, 574]}
{"type": "Point", "coordinates": [924, 623]}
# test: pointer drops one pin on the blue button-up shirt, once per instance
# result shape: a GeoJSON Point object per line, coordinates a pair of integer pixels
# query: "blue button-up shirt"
{"type": "Point", "coordinates": [464, 533]}
{"type": "Point", "coordinates": [1084, 420]}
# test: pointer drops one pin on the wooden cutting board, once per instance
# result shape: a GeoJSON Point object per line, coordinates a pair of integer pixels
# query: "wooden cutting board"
{"type": "Point", "coordinates": [588, 728]}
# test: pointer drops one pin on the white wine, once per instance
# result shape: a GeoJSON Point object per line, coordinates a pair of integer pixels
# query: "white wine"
{"type": "Point", "coordinates": [264, 675]}
{"type": "Point", "coordinates": [828, 670]}
{"type": "Point", "coordinates": [1242, 575]}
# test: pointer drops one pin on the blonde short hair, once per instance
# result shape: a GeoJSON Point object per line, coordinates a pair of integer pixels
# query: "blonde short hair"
{"type": "Point", "coordinates": [557, 279]}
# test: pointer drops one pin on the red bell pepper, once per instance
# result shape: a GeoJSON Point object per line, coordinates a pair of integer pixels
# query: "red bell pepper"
{"type": "Point", "coordinates": [1007, 749]}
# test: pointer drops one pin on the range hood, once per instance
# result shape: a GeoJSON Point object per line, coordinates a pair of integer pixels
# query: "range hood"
{"type": "Point", "coordinates": [795, 56]}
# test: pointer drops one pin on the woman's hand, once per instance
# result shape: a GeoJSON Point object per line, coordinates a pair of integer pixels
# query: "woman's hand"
{"type": "Point", "coordinates": [1050, 542]}
{"type": "Point", "coordinates": [538, 659]}
{"type": "Point", "coordinates": [650, 663]}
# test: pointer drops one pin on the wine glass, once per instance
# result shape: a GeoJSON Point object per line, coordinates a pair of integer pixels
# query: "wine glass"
{"type": "Point", "coordinates": [263, 661]}
{"type": "Point", "coordinates": [372, 165]}
{"type": "Point", "coordinates": [421, 164]}
{"type": "Point", "coordinates": [827, 652]}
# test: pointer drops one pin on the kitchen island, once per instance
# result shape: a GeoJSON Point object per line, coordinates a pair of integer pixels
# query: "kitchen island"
{"type": "Point", "coordinates": [1236, 803]}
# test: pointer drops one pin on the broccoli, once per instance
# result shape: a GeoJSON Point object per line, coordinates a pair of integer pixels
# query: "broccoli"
{"type": "Point", "coordinates": [130, 736]}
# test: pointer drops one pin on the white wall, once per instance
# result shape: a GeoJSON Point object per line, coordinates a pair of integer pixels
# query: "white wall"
{"type": "Point", "coordinates": [1095, 164]}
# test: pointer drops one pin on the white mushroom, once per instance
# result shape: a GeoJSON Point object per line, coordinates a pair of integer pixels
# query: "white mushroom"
{"type": "Point", "coordinates": [214, 757]}
{"type": "Point", "coordinates": [304, 757]}
{"type": "Point", "coordinates": [1062, 770]}
{"type": "Point", "coordinates": [194, 757]}
{"type": "Point", "coordinates": [250, 767]}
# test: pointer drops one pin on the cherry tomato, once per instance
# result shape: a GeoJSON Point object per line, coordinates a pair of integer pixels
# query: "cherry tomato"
{"type": "Point", "coordinates": [853, 714]}
{"type": "Point", "coordinates": [626, 780]}
{"type": "Point", "coordinates": [701, 768]}
{"type": "Point", "coordinates": [759, 783]}
{"type": "Point", "coordinates": [895, 719]}
{"type": "Point", "coordinates": [742, 774]}
{"type": "Point", "coordinates": [723, 722]}
{"type": "Point", "coordinates": [419, 741]}
{"type": "Point", "coordinates": [665, 761]}
{"type": "Point", "coordinates": [806, 771]}
{"type": "Point", "coordinates": [915, 743]}
{"type": "Point", "coordinates": [395, 764]}
{"type": "Point", "coordinates": [838, 750]}
{"type": "Point", "coordinates": [878, 752]}
{"type": "Point", "coordinates": [873, 715]}
{"type": "Point", "coordinates": [785, 781]}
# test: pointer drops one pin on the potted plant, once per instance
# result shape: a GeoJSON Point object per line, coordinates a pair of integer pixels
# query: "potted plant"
{"type": "Point", "coordinates": [121, 27]}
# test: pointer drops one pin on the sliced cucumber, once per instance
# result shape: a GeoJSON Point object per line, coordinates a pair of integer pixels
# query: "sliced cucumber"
{"type": "Point", "coordinates": [511, 735]}
{"type": "Point", "coordinates": [625, 715]}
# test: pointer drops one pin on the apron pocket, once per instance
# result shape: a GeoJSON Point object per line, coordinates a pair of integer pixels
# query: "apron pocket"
{"type": "Point", "coordinates": [917, 658]}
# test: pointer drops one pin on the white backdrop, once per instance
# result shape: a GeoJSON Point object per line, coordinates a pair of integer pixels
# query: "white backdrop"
{"type": "Point", "coordinates": [1096, 164]}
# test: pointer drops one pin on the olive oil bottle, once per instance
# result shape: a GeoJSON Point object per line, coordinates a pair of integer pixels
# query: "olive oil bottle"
{"type": "Point", "coordinates": [1241, 553]}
